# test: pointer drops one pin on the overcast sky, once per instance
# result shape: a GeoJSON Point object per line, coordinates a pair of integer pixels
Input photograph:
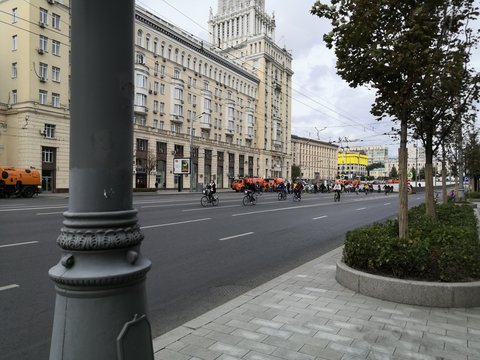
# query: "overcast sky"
{"type": "Point", "coordinates": [324, 107]}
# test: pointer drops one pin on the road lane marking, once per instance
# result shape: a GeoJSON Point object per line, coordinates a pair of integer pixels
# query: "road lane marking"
{"type": "Point", "coordinates": [210, 207]}
{"type": "Point", "coordinates": [361, 209]}
{"type": "Point", "coordinates": [19, 244]}
{"type": "Point", "coordinates": [320, 217]}
{"type": "Point", "coordinates": [279, 209]}
{"type": "Point", "coordinates": [175, 223]}
{"type": "Point", "coordinates": [8, 287]}
{"type": "Point", "coordinates": [236, 236]}
{"type": "Point", "coordinates": [387, 204]}
{"type": "Point", "coordinates": [34, 208]}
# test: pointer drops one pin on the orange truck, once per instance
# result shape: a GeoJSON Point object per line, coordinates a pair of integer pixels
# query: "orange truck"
{"type": "Point", "coordinates": [19, 182]}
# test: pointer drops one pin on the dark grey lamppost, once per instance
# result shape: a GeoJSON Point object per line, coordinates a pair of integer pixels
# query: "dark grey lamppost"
{"type": "Point", "coordinates": [100, 308]}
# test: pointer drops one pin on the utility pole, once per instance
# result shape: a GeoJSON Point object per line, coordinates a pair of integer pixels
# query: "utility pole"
{"type": "Point", "coordinates": [100, 306]}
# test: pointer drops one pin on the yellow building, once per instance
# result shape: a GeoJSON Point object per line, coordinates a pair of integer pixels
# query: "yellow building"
{"type": "Point", "coordinates": [229, 115]}
{"type": "Point", "coordinates": [351, 165]}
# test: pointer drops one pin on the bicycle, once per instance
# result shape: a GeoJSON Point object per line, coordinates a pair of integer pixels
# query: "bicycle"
{"type": "Point", "coordinates": [282, 195]}
{"type": "Point", "coordinates": [336, 196]}
{"type": "Point", "coordinates": [297, 196]}
{"type": "Point", "coordinates": [250, 198]}
{"type": "Point", "coordinates": [207, 199]}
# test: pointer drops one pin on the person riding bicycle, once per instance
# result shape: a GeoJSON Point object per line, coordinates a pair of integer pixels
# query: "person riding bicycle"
{"type": "Point", "coordinates": [213, 189]}
{"type": "Point", "coordinates": [298, 189]}
{"type": "Point", "coordinates": [337, 189]}
{"type": "Point", "coordinates": [281, 188]}
{"type": "Point", "coordinates": [251, 188]}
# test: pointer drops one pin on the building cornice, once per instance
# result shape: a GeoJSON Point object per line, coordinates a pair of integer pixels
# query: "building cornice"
{"type": "Point", "coordinates": [196, 45]}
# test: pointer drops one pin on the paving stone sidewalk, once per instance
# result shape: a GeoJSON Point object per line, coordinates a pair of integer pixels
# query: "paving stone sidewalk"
{"type": "Point", "coordinates": [305, 314]}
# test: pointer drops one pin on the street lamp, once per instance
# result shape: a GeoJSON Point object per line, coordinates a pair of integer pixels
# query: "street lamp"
{"type": "Point", "coordinates": [191, 148]}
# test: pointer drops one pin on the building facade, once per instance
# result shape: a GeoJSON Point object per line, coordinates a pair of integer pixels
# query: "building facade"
{"type": "Point", "coordinates": [192, 101]}
{"type": "Point", "coordinates": [34, 88]}
{"type": "Point", "coordinates": [317, 159]}
{"type": "Point", "coordinates": [375, 154]}
{"type": "Point", "coordinates": [245, 32]}
{"type": "Point", "coordinates": [352, 165]}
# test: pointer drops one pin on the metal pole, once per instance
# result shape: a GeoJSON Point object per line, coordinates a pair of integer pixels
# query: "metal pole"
{"type": "Point", "coordinates": [191, 154]}
{"type": "Point", "coordinates": [100, 307]}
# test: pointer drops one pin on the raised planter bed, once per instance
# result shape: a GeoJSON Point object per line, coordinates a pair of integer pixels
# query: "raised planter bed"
{"type": "Point", "coordinates": [425, 293]}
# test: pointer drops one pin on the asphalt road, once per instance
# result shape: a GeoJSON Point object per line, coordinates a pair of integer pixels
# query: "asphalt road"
{"type": "Point", "coordinates": [201, 257]}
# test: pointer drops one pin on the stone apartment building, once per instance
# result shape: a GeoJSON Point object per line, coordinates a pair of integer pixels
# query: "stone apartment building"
{"type": "Point", "coordinates": [226, 108]}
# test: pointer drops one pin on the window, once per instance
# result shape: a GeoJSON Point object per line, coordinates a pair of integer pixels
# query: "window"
{"type": "Point", "coordinates": [55, 74]}
{"type": "Point", "coordinates": [56, 47]}
{"type": "Point", "coordinates": [14, 42]}
{"type": "Point", "coordinates": [56, 100]}
{"type": "Point", "coordinates": [43, 43]}
{"type": "Point", "coordinates": [205, 85]}
{"type": "Point", "coordinates": [48, 155]}
{"type": "Point", "coordinates": [162, 89]}
{"type": "Point", "coordinates": [13, 100]}
{"type": "Point", "coordinates": [43, 16]}
{"type": "Point", "coordinates": [176, 74]}
{"type": "Point", "coordinates": [42, 97]}
{"type": "Point", "coordinates": [142, 145]}
{"type": "Point", "coordinates": [155, 87]}
{"type": "Point", "coordinates": [155, 123]}
{"type": "Point", "coordinates": [178, 94]}
{"type": "Point", "coordinates": [49, 130]}
{"type": "Point", "coordinates": [14, 15]}
{"type": "Point", "coordinates": [139, 59]}
{"type": "Point", "coordinates": [178, 110]}
{"type": "Point", "coordinates": [14, 70]}
{"type": "Point", "coordinates": [147, 42]}
{"type": "Point", "coordinates": [155, 106]}
{"type": "Point", "coordinates": [141, 81]}
{"type": "Point", "coordinates": [162, 108]}
{"type": "Point", "coordinates": [140, 99]}
{"type": "Point", "coordinates": [42, 70]}
{"type": "Point", "coordinates": [139, 38]}
{"type": "Point", "coordinates": [56, 21]}
{"type": "Point", "coordinates": [207, 104]}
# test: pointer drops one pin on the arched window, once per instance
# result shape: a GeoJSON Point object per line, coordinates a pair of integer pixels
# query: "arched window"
{"type": "Point", "coordinates": [155, 46]}
{"type": "Point", "coordinates": [147, 41]}
{"type": "Point", "coordinates": [140, 38]}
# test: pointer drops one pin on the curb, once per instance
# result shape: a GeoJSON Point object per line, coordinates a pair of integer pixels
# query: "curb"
{"type": "Point", "coordinates": [423, 293]}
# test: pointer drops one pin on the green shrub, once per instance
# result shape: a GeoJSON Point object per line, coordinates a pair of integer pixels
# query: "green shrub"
{"type": "Point", "coordinates": [473, 195]}
{"type": "Point", "coordinates": [144, 190]}
{"type": "Point", "coordinates": [446, 249]}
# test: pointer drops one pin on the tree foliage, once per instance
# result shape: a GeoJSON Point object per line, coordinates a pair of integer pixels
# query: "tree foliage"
{"type": "Point", "coordinates": [411, 54]}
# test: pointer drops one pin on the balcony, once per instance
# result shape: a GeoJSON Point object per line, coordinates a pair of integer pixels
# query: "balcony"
{"type": "Point", "coordinates": [140, 109]}
{"type": "Point", "coordinates": [177, 119]}
{"type": "Point", "coordinates": [205, 125]}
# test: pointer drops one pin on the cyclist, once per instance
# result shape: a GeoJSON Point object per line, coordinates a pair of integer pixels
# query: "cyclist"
{"type": "Point", "coordinates": [251, 188]}
{"type": "Point", "coordinates": [298, 189]}
{"type": "Point", "coordinates": [337, 189]}
{"type": "Point", "coordinates": [213, 189]}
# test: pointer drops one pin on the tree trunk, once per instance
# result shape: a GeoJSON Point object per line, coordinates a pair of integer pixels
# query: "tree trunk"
{"type": "Point", "coordinates": [403, 195]}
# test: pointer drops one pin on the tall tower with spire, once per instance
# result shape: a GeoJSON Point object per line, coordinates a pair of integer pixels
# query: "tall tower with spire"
{"type": "Point", "coordinates": [243, 30]}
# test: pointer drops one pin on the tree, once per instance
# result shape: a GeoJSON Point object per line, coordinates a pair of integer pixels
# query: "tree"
{"type": "Point", "coordinates": [393, 173]}
{"type": "Point", "coordinates": [387, 46]}
{"type": "Point", "coordinates": [378, 45]}
{"type": "Point", "coordinates": [296, 172]}
{"type": "Point", "coordinates": [373, 166]}
{"type": "Point", "coordinates": [150, 165]}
